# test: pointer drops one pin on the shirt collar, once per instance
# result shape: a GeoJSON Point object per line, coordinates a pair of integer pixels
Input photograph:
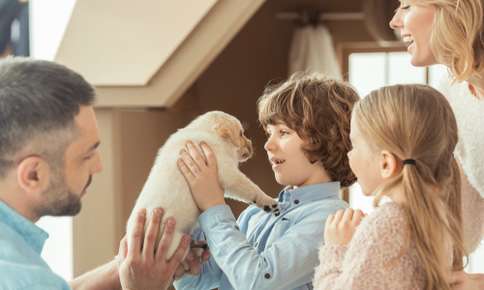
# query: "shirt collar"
{"type": "Point", "coordinates": [32, 234]}
{"type": "Point", "coordinates": [310, 193]}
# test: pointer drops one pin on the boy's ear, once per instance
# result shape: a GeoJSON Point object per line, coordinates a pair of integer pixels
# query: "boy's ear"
{"type": "Point", "coordinates": [33, 175]}
{"type": "Point", "coordinates": [389, 164]}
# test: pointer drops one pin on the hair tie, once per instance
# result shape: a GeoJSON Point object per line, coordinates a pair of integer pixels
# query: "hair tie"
{"type": "Point", "coordinates": [409, 162]}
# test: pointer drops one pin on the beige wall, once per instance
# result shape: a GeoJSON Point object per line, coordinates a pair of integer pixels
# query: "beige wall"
{"type": "Point", "coordinates": [232, 83]}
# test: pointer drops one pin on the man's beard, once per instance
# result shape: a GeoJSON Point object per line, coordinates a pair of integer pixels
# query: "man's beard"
{"type": "Point", "coordinates": [61, 201]}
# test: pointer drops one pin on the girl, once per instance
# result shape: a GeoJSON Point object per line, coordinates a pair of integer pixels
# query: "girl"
{"type": "Point", "coordinates": [403, 140]}
{"type": "Point", "coordinates": [307, 121]}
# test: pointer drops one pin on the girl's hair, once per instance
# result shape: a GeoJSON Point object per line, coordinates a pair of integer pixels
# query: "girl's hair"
{"type": "Point", "coordinates": [416, 122]}
{"type": "Point", "coordinates": [457, 38]}
{"type": "Point", "coordinates": [319, 110]}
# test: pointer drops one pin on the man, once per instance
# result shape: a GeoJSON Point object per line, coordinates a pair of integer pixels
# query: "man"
{"type": "Point", "coordinates": [48, 154]}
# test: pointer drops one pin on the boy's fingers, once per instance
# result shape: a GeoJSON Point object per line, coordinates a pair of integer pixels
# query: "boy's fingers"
{"type": "Point", "coordinates": [197, 154]}
{"type": "Point", "coordinates": [186, 172]}
{"type": "Point", "coordinates": [209, 155]}
{"type": "Point", "coordinates": [180, 251]}
{"type": "Point", "coordinates": [190, 162]}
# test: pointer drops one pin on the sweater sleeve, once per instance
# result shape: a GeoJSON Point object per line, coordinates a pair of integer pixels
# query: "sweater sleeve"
{"type": "Point", "coordinates": [371, 257]}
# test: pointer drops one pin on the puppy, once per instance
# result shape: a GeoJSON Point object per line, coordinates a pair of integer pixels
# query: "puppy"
{"type": "Point", "coordinates": [166, 187]}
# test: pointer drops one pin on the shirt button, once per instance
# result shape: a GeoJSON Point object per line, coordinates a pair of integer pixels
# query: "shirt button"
{"type": "Point", "coordinates": [267, 276]}
{"type": "Point", "coordinates": [296, 201]}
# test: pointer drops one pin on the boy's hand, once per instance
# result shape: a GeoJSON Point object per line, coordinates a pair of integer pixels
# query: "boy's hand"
{"type": "Point", "coordinates": [341, 226]}
{"type": "Point", "coordinates": [199, 167]}
{"type": "Point", "coordinates": [192, 264]}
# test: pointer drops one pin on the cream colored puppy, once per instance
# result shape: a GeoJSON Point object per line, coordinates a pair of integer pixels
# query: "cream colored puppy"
{"type": "Point", "coordinates": [166, 187]}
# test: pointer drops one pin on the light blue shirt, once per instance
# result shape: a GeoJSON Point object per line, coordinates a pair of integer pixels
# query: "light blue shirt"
{"type": "Point", "coordinates": [21, 266]}
{"type": "Point", "coordinates": [262, 251]}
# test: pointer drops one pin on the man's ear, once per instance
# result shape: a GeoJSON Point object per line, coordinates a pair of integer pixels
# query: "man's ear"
{"type": "Point", "coordinates": [33, 175]}
{"type": "Point", "coordinates": [389, 164]}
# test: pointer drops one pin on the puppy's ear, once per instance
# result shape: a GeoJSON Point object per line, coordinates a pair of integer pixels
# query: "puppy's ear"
{"type": "Point", "coordinates": [223, 131]}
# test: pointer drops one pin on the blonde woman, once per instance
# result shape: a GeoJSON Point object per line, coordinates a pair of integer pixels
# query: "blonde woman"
{"type": "Point", "coordinates": [403, 139]}
{"type": "Point", "coordinates": [450, 32]}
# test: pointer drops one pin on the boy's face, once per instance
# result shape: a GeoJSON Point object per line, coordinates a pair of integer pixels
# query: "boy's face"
{"type": "Point", "coordinates": [364, 162]}
{"type": "Point", "coordinates": [289, 163]}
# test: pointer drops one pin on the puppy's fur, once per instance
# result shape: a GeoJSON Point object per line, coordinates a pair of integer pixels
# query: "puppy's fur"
{"type": "Point", "coordinates": [166, 187]}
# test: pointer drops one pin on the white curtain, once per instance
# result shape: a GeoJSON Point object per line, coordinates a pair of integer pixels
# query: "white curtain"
{"type": "Point", "coordinates": [312, 50]}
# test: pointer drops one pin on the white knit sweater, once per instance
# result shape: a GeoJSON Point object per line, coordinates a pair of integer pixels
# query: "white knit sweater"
{"type": "Point", "coordinates": [469, 113]}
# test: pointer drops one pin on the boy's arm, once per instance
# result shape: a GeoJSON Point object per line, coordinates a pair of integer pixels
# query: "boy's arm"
{"type": "Point", "coordinates": [286, 264]}
{"type": "Point", "coordinates": [210, 274]}
{"type": "Point", "coordinates": [209, 278]}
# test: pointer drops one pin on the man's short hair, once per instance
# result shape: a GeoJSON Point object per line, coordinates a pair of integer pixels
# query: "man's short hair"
{"type": "Point", "coordinates": [38, 103]}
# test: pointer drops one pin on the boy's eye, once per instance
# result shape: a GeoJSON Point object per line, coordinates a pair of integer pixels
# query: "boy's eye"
{"type": "Point", "coordinates": [403, 6]}
{"type": "Point", "coordinates": [283, 132]}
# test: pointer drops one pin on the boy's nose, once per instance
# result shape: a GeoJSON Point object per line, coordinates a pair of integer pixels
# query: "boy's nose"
{"type": "Point", "coordinates": [268, 146]}
{"type": "Point", "coordinates": [396, 21]}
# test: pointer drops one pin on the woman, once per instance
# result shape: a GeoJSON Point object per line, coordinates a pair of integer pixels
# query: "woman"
{"type": "Point", "coordinates": [451, 32]}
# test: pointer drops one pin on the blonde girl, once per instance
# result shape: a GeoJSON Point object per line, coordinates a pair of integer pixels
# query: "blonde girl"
{"type": "Point", "coordinates": [403, 140]}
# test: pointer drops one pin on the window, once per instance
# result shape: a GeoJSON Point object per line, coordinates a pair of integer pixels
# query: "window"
{"type": "Point", "coordinates": [369, 70]}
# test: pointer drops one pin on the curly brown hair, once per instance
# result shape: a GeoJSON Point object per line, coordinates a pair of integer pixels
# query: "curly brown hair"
{"type": "Point", "coordinates": [319, 110]}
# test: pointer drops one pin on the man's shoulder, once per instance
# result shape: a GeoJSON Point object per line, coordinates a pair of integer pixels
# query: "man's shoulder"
{"type": "Point", "coordinates": [22, 268]}
{"type": "Point", "coordinates": [20, 276]}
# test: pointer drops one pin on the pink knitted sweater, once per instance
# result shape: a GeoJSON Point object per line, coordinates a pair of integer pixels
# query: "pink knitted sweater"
{"type": "Point", "coordinates": [380, 256]}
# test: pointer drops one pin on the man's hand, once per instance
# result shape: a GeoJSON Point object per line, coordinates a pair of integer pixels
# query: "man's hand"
{"type": "Point", "coordinates": [341, 226]}
{"type": "Point", "coordinates": [193, 262]}
{"type": "Point", "coordinates": [199, 167]}
{"type": "Point", "coordinates": [142, 267]}
{"type": "Point", "coordinates": [464, 281]}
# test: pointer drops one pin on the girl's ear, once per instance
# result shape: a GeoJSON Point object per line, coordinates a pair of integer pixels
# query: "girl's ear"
{"type": "Point", "coordinates": [389, 164]}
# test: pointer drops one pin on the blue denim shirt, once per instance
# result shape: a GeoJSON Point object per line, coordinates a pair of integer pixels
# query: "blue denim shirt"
{"type": "Point", "coordinates": [21, 266]}
{"type": "Point", "coordinates": [262, 251]}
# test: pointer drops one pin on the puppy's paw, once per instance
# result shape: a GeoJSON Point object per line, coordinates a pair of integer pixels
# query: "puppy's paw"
{"type": "Point", "coordinates": [267, 203]}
